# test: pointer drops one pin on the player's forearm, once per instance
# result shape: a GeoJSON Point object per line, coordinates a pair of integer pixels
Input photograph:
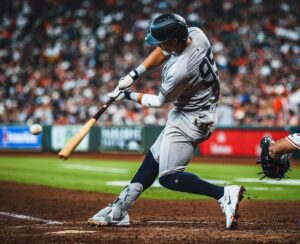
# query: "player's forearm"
{"type": "Point", "coordinates": [156, 58]}
{"type": "Point", "coordinates": [147, 100]}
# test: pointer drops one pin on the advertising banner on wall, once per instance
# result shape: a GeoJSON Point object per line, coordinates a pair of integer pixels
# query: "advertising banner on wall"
{"type": "Point", "coordinates": [122, 138]}
{"type": "Point", "coordinates": [237, 142]}
{"type": "Point", "coordinates": [19, 137]}
{"type": "Point", "coordinates": [61, 134]}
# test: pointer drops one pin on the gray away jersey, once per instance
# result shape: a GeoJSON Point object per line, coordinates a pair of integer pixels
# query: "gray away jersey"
{"type": "Point", "coordinates": [190, 79]}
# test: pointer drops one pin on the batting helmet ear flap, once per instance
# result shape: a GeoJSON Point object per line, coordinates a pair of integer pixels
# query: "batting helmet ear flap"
{"type": "Point", "coordinates": [167, 27]}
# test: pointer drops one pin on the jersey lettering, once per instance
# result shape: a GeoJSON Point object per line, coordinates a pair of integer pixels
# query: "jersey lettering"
{"type": "Point", "coordinates": [208, 74]}
{"type": "Point", "coordinates": [206, 69]}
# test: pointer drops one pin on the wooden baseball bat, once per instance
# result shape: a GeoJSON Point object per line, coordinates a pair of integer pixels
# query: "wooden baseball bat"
{"type": "Point", "coordinates": [77, 138]}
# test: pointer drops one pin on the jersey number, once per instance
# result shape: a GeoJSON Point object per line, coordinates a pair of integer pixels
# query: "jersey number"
{"type": "Point", "coordinates": [209, 75]}
{"type": "Point", "coordinates": [206, 70]}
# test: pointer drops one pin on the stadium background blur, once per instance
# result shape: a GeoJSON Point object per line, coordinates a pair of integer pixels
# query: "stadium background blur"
{"type": "Point", "coordinates": [59, 59]}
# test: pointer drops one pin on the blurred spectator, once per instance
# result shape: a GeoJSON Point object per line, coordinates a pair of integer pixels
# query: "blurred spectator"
{"type": "Point", "coordinates": [59, 58]}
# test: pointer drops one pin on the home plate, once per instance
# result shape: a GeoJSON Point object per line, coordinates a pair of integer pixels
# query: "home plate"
{"type": "Point", "coordinates": [63, 232]}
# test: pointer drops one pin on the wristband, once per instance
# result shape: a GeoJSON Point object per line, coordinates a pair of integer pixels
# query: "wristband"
{"type": "Point", "coordinates": [134, 74]}
{"type": "Point", "coordinates": [127, 95]}
{"type": "Point", "coordinates": [137, 72]}
{"type": "Point", "coordinates": [131, 95]}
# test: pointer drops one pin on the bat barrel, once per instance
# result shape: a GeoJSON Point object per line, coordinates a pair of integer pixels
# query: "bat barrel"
{"type": "Point", "coordinates": [77, 138]}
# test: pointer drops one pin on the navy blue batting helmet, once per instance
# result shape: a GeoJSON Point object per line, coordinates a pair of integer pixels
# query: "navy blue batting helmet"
{"type": "Point", "coordinates": [167, 27]}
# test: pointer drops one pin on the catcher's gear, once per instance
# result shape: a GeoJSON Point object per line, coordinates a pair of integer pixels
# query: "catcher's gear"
{"type": "Point", "coordinates": [167, 27]}
{"type": "Point", "coordinates": [272, 168]}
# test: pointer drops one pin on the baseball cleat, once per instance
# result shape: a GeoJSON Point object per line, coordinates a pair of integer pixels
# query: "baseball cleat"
{"type": "Point", "coordinates": [230, 204]}
{"type": "Point", "coordinates": [105, 218]}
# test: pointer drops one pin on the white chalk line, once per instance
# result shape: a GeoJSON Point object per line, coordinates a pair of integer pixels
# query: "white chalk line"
{"type": "Point", "coordinates": [290, 182]}
{"type": "Point", "coordinates": [63, 232]}
{"type": "Point", "coordinates": [159, 222]}
{"type": "Point", "coordinates": [287, 182]}
{"type": "Point", "coordinates": [95, 168]}
{"type": "Point", "coordinates": [87, 230]}
{"type": "Point", "coordinates": [25, 217]}
{"type": "Point", "coordinates": [172, 222]}
{"type": "Point", "coordinates": [143, 222]}
{"type": "Point", "coordinates": [132, 222]}
{"type": "Point", "coordinates": [181, 222]}
{"type": "Point", "coordinates": [265, 185]}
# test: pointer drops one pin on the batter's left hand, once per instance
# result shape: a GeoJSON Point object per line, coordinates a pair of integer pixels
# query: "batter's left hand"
{"type": "Point", "coordinates": [116, 94]}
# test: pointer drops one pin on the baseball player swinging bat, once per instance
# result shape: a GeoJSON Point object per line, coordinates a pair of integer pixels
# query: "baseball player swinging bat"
{"type": "Point", "coordinates": [77, 138]}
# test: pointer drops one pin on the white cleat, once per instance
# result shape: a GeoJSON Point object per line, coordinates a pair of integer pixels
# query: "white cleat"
{"type": "Point", "coordinates": [116, 214]}
{"type": "Point", "coordinates": [230, 204]}
{"type": "Point", "coordinates": [105, 218]}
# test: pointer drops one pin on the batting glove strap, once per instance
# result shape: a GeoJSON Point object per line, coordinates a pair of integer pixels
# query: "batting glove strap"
{"type": "Point", "coordinates": [134, 74]}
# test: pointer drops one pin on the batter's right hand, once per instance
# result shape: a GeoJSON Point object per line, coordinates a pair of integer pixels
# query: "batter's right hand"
{"type": "Point", "coordinates": [116, 94]}
{"type": "Point", "coordinates": [125, 82]}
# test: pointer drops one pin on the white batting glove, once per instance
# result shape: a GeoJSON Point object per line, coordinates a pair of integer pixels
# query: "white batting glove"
{"type": "Point", "coordinates": [116, 94]}
{"type": "Point", "coordinates": [127, 81]}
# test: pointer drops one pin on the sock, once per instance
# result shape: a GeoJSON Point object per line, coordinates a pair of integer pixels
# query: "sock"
{"type": "Point", "coordinates": [147, 173]}
{"type": "Point", "coordinates": [191, 183]}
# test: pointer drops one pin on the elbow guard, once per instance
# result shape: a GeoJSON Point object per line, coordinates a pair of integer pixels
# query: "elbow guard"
{"type": "Point", "coordinates": [147, 100]}
{"type": "Point", "coordinates": [151, 101]}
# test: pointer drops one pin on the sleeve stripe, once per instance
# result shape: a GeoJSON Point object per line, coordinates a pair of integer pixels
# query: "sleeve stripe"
{"type": "Point", "coordinates": [292, 142]}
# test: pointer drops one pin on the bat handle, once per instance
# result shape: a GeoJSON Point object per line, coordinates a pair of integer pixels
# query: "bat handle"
{"type": "Point", "coordinates": [103, 108]}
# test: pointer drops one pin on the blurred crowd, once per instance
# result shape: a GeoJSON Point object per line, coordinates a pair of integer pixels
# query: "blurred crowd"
{"type": "Point", "coordinates": [59, 58]}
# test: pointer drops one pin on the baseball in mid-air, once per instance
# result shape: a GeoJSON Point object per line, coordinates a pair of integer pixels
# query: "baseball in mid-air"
{"type": "Point", "coordinates": [35, 129]}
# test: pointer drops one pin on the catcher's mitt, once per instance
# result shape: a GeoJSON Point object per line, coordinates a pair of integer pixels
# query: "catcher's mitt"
{"type": "Point", "coordinates": [272, 168]}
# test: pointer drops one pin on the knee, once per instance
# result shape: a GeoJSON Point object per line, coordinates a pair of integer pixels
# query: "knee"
{"type": "Point", "coordinates": [162, 180]}
{"type": "Point", "coordinates": [167, 181]}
